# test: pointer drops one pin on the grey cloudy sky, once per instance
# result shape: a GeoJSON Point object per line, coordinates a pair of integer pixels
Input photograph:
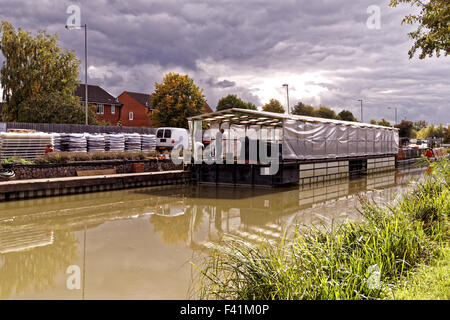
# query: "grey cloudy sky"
{"type": "Point", "coordinates": [323, 49]}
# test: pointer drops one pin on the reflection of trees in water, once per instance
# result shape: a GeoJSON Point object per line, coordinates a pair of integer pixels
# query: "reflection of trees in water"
{"type": "Point", "coordinates": [37, 267]}
{"type": "Point", "coordinates": [175, 230]}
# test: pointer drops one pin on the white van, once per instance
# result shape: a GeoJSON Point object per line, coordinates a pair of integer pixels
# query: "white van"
{"type": "Point", "coordinates": [169, 138]}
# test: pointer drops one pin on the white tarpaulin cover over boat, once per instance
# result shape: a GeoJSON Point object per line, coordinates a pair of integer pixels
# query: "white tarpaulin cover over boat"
{"type": "Point", "coordinates": [316, 140]}
{"type": "Point", "coordinates": [301, 137]}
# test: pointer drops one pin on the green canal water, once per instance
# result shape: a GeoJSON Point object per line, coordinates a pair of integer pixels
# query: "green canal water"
{"type": "Point", "coordinates": [138, 244]}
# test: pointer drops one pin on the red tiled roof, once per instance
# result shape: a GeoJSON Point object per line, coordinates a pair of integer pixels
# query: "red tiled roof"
{"type": "Point", "coordinates": [207, 108]}
{"type": "Point", "coordinates": [96, 94]}
{"type": "Point", "coordinates": [142, 98]}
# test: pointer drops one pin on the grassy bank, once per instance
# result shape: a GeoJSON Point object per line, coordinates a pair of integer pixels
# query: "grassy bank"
{"type": "Point", "coordinates": [430, 282]}
{"type": "Point", "coordinates": [68, 157]}
{"type": "Point", "coordinates": [367, 260]}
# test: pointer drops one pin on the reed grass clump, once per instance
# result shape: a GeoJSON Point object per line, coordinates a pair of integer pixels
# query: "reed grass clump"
{"type": "Point", "coordinates": [356, 260]}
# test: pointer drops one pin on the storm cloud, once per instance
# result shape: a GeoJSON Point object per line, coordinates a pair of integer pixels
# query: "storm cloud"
{"type": "Point", "coordinates": [323, 49]}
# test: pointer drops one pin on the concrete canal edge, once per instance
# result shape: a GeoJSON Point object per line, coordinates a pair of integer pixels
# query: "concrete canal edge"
{"type": "Point", "coordinates": [36, 188]}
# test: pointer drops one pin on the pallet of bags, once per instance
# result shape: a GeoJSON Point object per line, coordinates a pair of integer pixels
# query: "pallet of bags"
{"type": "Point", "coordinates": [148, 142]}
{"type": "Point", "coordinates": [133, 142]}
{"type": "Point", "coordinates": [24, 145]}
{"type": "Point", "coordinates": [95, 142]}
{"type": "Point", "coordinates": [56, 142]}
{"type": "Point", "coordinates": [74, 142]}
{"type": "Point", "coordinates": [115, 142]}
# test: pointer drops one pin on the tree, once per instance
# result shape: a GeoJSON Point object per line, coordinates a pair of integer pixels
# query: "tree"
{"type": "Point", "coordinates": [175, 99]}
{"type": "Point", "coordinates": [447, 135]}
{"type": "Point", "coordinates": [232, 101]}
{"type": "Point", "coordinates": [250, 106]}
{"type": "Point", "coordinates": [325, 112]}
{"type": "Point", "coordinates": [346, 115]}
{"type": "Point", "coordinates": [36, 69]}
{"type": "Point", "coordinates": [406, 129]}
{"type": "Point", "coordinates": [419, 125]}
{"type": "Point", "coordinates": [384, 122]}
{"type": "Point", "coordinates": [432, 34]}
{"type": "Point", "coordinates": [373, 121]}
{"type": "Point", "coordinates": [432, 132]}
{"type": "Point", "coordinates": [301, 109]}
{"type": "Point", "coordinates": [273, 106]}
{"type": "Point", "coordinates": [54, 108]}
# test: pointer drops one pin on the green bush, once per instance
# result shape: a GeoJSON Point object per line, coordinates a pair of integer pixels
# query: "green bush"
{"type": "Point", "coordinates": [17, 160]}
{"type": "Point", "coordinates": [67, 157]}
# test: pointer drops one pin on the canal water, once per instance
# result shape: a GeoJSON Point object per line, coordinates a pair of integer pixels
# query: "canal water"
{"type": "Point", "coordinates": [139, 243]}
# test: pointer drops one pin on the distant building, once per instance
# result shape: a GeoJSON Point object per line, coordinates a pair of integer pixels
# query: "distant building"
{"type": "Point", "coordinates": [108, 107]}
{"type": "Point", "coordinates": [137, 109]}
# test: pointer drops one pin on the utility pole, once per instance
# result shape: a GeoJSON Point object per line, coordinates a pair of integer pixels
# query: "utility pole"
{"type": "Point", "coordinates": [395, 108]}
{"type": "Point", "coordinates": [86, 110]}
{"type": "Point", "coordinates": [287, 94]}
{"type": "Point", "coordinates": [86, 107]}
{"type": "Point", "coordinates": [362, 119]}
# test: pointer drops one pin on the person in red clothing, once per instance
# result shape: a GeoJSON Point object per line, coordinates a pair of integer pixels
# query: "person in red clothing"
{"type": "Point", "coordinates": [429, 153]}
{"type": "Point", "coordinates": [48, 149]}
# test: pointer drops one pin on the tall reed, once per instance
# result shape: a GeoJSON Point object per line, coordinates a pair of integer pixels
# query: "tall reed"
{"type": "Point", "coordinates": [350, 261]}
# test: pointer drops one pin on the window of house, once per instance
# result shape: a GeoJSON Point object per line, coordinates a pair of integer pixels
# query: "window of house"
{"type": "Point", "coordinates": [113, 109]}
{"type": "Point", "coordinates": [100, 109]}
{"type": "Point", "coordinates": [130, 116]}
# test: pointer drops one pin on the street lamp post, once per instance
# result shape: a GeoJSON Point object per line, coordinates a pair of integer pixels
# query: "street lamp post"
{"type": "Point", "coordinates": [395, 108]}
{"type": "Point", "coordinates": [85, 69]}
{"type": "Point", "coordinates": [287, 94]}
{"type": "Point", "coordinates": [360, 100]}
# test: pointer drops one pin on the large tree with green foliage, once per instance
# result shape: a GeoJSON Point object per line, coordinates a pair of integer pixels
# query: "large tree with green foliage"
{"type": "Point", "coordinates": [301, 109]}
{"type": "Point", "coordinates": [174, 100]}
{"type": "Point", "coordinates": [232, 101]}
{"type": "Point", "coordinates": [406, 129]}
{"type": "Point", "coordinates": [346, 115]}
{"type": "Point", "coordinates": [432, 131]}
{"type": "Point", "coordinates": [447, 135]}
{"type": "Point", "coordinates": [37, 76]}
{"type": "Point", "coordinates": [433, 32]}
{"type": "Point", "coordinates": [273, 106]}
{"type": "Point", "coordinates": [384, 122]}
{"type": "Point", "coordinates": [419, 125]}
{"type": "Point", "coordinates": [325, 112]}
{"type": "Point", "coordinates": [53, 108]}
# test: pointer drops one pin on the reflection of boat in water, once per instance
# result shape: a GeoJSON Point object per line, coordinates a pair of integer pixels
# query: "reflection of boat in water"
{"type": "Point", "coordinates": [24, 239]}
{"type": "Point", "coordinates": [195, 213]}
{"type": "Point", "coordinates": [171, 210]}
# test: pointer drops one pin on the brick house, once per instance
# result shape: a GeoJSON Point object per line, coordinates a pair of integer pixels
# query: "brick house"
{"type": "Point", "coordinates": [136, 109]}
{"type": "Point", "coordinates": [108, 107]}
